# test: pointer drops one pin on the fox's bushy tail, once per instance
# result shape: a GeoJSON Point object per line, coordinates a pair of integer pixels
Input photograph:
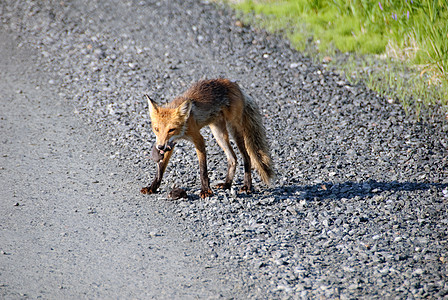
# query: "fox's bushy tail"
{"type": "Point", "coordinates": [256, 141]}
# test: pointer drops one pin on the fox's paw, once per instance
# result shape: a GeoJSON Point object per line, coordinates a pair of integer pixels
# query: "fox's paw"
{"type": "Point", "coordinates": [207, 193]}
{"type": "Point", "coordinates": [246, 189]}
{"type": "Point", "coordinates": [224, 186]}
{"type": "Point", "coordinates": [147, 190]}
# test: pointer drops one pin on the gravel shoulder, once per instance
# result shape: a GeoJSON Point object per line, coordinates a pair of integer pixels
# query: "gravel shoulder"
{"type": "Point", "coordinates": [359, 210]}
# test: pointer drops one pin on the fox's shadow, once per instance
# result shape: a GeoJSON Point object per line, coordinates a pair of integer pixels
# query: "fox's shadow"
{"type": "Point", "coordinates": [349, 190]}
{"type": "Point", "coordinates": [334, 191]}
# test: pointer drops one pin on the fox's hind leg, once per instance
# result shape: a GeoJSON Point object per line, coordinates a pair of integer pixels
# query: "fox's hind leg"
{"type": "Point", "coordinates": [221, 135]}
{"type": "Point", "coordinates": [238, 135]}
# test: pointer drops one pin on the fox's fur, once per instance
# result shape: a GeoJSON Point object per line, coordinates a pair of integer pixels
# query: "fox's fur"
{"type": "Point", "coordinates": [223, 106]}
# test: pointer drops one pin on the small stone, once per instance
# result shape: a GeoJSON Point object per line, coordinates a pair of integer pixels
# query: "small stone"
{"type": "Point", "coordinates": [445, 193]}
{"type": "Point", "coordinates": [418, 271]}
{"type": "Point", "coordinates": [239, 23]}
{"type": "Point", "coordinates": [398, 239]}
{"type": "Point", "coordinates": [294, 65]}
{"type": "Point", "coordinates": [153, 234]}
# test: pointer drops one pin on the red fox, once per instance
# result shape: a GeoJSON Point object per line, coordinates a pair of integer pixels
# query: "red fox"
{"type": "Point", "coordinates": [223, 106]}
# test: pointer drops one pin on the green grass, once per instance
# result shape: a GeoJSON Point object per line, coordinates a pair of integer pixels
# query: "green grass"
{"type": "Point", "coordinates": [408, 38]}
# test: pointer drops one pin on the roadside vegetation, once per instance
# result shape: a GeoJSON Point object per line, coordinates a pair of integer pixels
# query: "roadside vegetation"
{"type": "Point", "coordinates": [401, 46]}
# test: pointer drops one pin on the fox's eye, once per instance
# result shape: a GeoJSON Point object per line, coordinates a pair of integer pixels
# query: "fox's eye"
{"type": "Point", "coordinates": [171, 130]}
{"type": "Point", "coordinates": [156, 129]}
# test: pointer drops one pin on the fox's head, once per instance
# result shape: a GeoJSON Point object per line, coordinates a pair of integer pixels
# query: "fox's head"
{"type": "Point", "coordinates": [168, 124]}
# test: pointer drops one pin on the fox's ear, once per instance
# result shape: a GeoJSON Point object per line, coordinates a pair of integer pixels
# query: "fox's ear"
{"type": "Point", "coordinates": [185, 108]}
{"type": "Point", "coordinates": [152, 105]}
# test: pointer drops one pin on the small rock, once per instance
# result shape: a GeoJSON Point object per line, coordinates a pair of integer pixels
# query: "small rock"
{"type": "Point", "coordinates": [445, 193]}
{"type": "Point", "coordinates": [239, 23]}
{"type": "Point", "coordinates": [177, 193]}
{"type": "Point", "coordinates": [294, 65]}
{"type": "Point", "coordinates": [418, 271]}
{"type": "Point", "coordinates": [153, 234]}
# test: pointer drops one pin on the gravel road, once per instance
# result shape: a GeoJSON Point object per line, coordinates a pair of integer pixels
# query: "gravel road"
{"type": "Point", "coordinates": [359, 209]}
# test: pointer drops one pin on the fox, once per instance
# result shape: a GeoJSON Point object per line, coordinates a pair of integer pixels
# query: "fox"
{"type": "Point", "coordinates": [223, 106]}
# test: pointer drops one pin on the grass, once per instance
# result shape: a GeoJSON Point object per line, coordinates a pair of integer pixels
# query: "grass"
{"type": "Point", "coordinates": [405, 41]}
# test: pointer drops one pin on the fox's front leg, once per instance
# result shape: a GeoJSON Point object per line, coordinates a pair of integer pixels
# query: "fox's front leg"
{"type": "Point", "coordinates": [202, 157]}
{"type": "Point", "coordinates": [161, 167]}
